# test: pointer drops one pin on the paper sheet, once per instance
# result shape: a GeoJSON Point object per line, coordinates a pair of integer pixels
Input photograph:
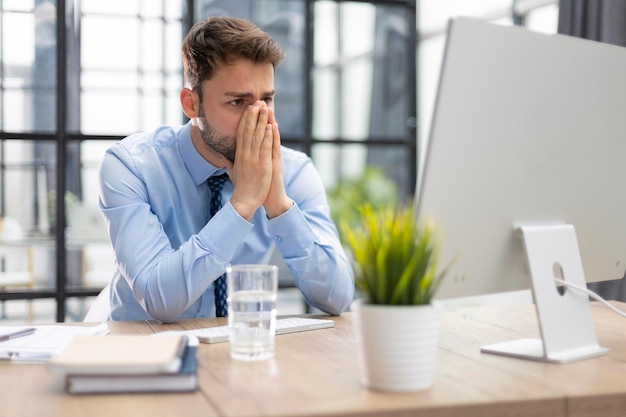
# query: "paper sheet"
{"type": "Point", "coordinates": [47, 341]}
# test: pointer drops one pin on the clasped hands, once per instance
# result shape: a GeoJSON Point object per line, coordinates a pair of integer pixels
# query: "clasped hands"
{"type": "Point", "coordinates": [257, 171]}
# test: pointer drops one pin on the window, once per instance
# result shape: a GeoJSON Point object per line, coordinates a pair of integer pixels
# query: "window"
{"type": "Point", "coordinates": [121, 72]}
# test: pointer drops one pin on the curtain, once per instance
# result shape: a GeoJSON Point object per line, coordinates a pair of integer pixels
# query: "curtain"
{"type": "Point", "coordinates": [602, 21]}
{"type": "Point", "coordinates": [598, 20]}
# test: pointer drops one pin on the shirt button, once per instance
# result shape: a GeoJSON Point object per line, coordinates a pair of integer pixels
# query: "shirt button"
{"type": "Point", "coordinates": [278, 238]}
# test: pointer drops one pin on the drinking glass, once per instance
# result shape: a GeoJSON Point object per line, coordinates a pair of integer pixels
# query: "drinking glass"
{"type": "Point", "coordinates": [252, 291]}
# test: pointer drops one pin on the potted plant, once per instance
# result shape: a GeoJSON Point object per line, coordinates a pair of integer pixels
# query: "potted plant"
{"type": "Point", "coordinates": [395, 271]}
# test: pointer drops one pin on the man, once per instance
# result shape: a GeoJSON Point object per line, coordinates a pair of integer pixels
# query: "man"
{"type": "Point", "coordinates": [156, 200]}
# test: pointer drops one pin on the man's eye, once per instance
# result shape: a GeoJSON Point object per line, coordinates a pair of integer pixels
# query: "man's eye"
{"type": "Point", "coordinates": [236, 103]}
{"type": "Point", "coordinates": [268, 100]}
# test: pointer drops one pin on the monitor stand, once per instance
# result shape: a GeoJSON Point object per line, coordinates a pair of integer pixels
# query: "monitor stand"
{"type": "Point", "coordinates": [565, 321]}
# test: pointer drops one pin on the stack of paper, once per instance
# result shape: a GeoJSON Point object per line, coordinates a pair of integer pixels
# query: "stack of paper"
{"type": "Point", "coordinates": [40, 343]}
{"type": "Point", "coordinates": [128, 363]}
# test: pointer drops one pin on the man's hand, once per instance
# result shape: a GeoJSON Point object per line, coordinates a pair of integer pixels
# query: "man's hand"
{"type": "Point", "coordinates": [251, 172]}
{"type": "Point", "coordinates": [277, 201]}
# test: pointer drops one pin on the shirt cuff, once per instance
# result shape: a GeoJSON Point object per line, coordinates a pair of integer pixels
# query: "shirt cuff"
{"type": "Point", "coordinates": [282, 228]}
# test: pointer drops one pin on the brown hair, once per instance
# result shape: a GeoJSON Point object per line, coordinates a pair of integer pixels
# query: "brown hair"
{"type": "Point", "coordinates": [221, 40]}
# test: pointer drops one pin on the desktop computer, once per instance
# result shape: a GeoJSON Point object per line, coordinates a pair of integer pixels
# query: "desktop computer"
{"type": "Point", "coordinates": [525, 172]}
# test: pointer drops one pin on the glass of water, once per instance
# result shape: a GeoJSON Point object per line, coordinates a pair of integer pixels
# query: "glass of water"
{"type": "Point", "coordinates": [252, 291]}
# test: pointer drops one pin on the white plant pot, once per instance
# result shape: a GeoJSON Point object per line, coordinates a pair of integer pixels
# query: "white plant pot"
{"type": "Point", "coordinates": [397, 345]}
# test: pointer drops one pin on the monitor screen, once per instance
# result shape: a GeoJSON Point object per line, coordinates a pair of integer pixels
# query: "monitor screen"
{"type": "Point", "coordinates": [528, 129]}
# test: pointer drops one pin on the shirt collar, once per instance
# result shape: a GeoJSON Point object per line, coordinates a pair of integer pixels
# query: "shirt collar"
{"type": "Point", "coordinates": [198, 167]}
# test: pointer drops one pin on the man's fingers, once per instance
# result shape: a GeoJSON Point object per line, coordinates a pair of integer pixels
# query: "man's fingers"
{"type": "Point", "coordinates": [259, 134]}
{"type": "Point", "coordinates": [241, 127]}
{"type": "Point", "coordinates": [252, 119]}
{"type": "Point", "coordinates": [251, 128]}
{"type": "Point", "coordinates": [266, 146]}
{"type": "Point", "coordinates": [272, 116]}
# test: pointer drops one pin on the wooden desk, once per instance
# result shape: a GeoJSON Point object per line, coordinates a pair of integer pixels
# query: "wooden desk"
{"type": "Point", "coordinates": [31, 390]}
{"type": "Point", "coordinates": [316, 374]}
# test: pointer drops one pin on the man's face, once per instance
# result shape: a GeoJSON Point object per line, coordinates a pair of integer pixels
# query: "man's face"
{"type": "Point", "coordinates": [225, 97]}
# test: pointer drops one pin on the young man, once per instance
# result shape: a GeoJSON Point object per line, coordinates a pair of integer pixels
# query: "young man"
{"type": "Point", "coordinates": [156, 199]}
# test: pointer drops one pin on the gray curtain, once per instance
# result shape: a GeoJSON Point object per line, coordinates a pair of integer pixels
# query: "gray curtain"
{"type": "Point", "coordinates": [598, 20]}
{"type": "Point", "coordinates": [603, 21]}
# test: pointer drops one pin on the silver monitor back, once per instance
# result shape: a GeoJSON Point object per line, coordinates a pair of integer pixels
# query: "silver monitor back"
{"type": "Point", "coordinates": [528, 128]}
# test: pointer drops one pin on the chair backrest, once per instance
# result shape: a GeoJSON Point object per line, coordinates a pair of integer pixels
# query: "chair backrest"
{"type": "Point", "coordinates": [100, 309]}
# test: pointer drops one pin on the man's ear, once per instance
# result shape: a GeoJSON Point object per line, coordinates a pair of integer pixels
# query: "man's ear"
{"type": "Point", "coordinates": [190, 102]}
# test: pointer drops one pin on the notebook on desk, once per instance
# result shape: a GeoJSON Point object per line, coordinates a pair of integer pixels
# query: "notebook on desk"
{"type": "Point", "coordinates": [183, 380]}
{"type": "Point", "coordinates": [128, 364]}
{"type": "Point", "coordinates": [120, 355]}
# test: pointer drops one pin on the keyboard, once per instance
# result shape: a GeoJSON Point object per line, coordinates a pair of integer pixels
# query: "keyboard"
{"type": "Point", "coordinates": [283, 326]}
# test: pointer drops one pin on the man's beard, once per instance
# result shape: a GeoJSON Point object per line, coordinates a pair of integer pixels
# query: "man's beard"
{"type": "Point", "coordinates": [214, 141]}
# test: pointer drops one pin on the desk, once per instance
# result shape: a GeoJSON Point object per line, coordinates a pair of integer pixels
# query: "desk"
{"type": "Point", "coordinates": [316, 374]}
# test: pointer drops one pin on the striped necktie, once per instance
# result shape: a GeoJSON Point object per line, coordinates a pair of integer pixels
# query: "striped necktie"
{"type": "Point", "coordinates": [216, 183]}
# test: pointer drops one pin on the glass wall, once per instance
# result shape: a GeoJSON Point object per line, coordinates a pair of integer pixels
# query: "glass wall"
{"type": "Point", "coordinates": [130, 76]}
{"type": "Point", "coordinates": [65, 96]}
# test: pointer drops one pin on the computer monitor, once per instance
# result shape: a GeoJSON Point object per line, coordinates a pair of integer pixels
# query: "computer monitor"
{"type": "Point", "coordinates": [525, 161]}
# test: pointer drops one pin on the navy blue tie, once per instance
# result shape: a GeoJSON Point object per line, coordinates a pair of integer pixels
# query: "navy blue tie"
{"type": "Point", "coordinates": [216, 183]}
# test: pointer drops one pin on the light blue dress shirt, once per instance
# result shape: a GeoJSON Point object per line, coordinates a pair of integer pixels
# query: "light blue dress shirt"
{"type": "Point", "coordinates": [155, 200]}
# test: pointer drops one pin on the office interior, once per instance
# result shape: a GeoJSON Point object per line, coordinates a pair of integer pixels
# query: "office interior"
{"type": "Point", "coordinates": [355, 92]}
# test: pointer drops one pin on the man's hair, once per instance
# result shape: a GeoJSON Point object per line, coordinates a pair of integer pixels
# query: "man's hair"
{"type": "Point", "coordinates": [219, 41]}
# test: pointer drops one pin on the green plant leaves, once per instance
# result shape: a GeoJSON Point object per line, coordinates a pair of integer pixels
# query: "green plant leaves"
{"type": "Point", "coordinates": [394, 257]}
